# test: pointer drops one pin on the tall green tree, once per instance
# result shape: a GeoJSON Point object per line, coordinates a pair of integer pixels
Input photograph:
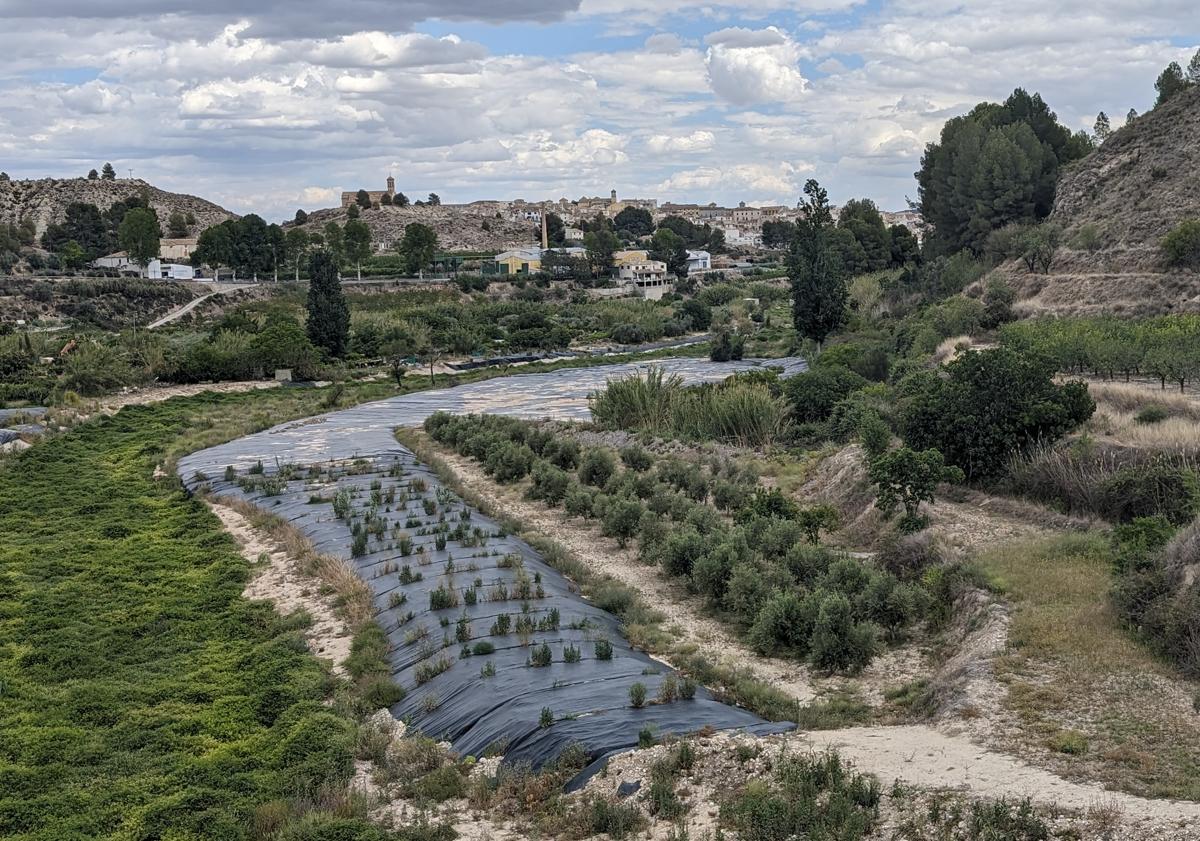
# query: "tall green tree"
{"type": "Point", "coordinates": [818, 285]}
{"type": "Point", "coordinates": [601, 245]}
{"type": "Point", "coordinates": [1103, 128]}
{"type": "Point", "coordinates": [332, 233]}
{"type": "Point", "coordinates": [363, 199]}
{"type": "Point", "coordinates": [328, 324]}
{"type": "Point", "coordinates": [301, 217]}
{"type": "Point", "coordinates": [862, 219]}
{"type": "Point", "coordinates": [251, 246]}
{"type": "Point", "coordinates": [296, 244]}
{"type": "Point", "coordinates": [556, 230]}
{"type": "Point", "coordinates": [634, 222]}
{"type": "Point", "coordinates": [1193, 69]}
{"type": "Point", "coordinates": [434, 200]}
{"type": "Point", "coordinates": [214, 247]}
{"type": "Point", "coordinates": [93, 175]}
{"type": "Point", "coordinates": [670, 248]}
{"type": "Point", "coordinates": [777, 233]}
{"type": "Point", "coordinates": [417, 247]}
{"type": "Point", "coordinates": [107, 173]}
{"type": "Point", "coordinates": [1169, 83]}
{"type": "Point", "coordinates": [356, 240]}
{"type": "Point", "coordinates": [139, 235]}
{"type": "Point", "coordinates": [996, 165]}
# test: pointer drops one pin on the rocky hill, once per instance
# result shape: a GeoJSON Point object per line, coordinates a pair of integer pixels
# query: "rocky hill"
{"type": "Point", "coordinates": [45, 201]}
{"type": "Point", "coordinates": [1114, 207]}
{"type": "Point", "coordinates": [459, 227]}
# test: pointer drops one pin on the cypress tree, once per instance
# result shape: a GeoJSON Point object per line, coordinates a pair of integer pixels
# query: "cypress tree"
{"type": "Point", "coordinates": [815, 269]}
{"type": "Point", "coordinates": [328, 315]}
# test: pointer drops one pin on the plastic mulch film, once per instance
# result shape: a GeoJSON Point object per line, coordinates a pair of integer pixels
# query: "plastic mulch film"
{"type": "Point", "coordinates": [484, 633]}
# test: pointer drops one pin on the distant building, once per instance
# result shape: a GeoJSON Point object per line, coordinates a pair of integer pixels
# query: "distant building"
{"type": "Point", "coordinates": [699, 261]}
{"type": "Point", "coordinates": [648, 276]}
{"type": "Point", "coordinates": [517, 261]}
{"type": "Point", "coordinates": [158, 270]}
{"type": "Point", "coordinates": [177, 250]}
{"type": "Point", "coordinates": [573, 234]}
{"type": "Point", "coordinates": [349, 198]}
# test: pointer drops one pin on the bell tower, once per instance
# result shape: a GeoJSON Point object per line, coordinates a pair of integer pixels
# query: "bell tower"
{"type": "Point", "coordinates": [391, 186]}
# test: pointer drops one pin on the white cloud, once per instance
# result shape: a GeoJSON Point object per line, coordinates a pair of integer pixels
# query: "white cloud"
{"type": "Point", "coordinates": [698, 141]}
{"type": "Point", "coordinates": [752, 66]}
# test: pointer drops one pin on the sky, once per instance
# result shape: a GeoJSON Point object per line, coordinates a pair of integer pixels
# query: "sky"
{"type": "Point", "coordinates": [272, 105]}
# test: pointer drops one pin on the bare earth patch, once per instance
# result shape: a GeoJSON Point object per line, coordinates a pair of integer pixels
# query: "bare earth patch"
{"type": "Point", "coordinates": [281, 582]}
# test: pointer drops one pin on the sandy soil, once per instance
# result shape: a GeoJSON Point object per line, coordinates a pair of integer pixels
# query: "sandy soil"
{"type": "Point", "coordinates": [156, 393]}
{"type": "Point", "coordinates": [279, 581]}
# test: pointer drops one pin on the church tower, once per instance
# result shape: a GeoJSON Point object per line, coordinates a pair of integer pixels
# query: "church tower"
{"type": "Point", "coordinates": [391, 182]}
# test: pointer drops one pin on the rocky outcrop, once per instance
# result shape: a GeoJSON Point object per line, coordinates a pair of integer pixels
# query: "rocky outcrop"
{"type": "Point", "coordinates": [458, 227]}
{"type": "Point", "coordinates": [45, 200]}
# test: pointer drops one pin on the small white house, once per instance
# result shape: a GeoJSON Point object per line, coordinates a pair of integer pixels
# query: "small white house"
{"type": "Point", "coordinates": [158, 270]}
{"type": "Point", "coordinates": [698, 261]}
{"type": "Point", "coordinates": [118, 260]}
{"type": "Point", "coordinates": [649, 276]}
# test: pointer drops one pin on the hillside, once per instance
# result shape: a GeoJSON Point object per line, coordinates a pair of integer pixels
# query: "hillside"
{"type": "Point", "coordinates": [45, 200]}
{"type": "Point", "coordinates": [459, 227]}
{"type": "Point", "coordinates": [1130, 192]}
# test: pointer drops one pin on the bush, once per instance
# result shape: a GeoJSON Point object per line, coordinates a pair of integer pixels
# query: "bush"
{"type": "Point", "coordinates": [1156, 488]}
{"type": "Point", "coordinates": [550, 484]}
{"type": "Point", "coordinates": [839, 643]}
{"type": "Point", "coordinates": [578, 502]}
{"type": "Point", "coordinates": [727, 346]}
{"type": "Point", "coordinates": [1181, 247]}
{"type": "Point", "coordinates": [636, 458]}
{"type": "Point", "coordinates": [786, 622]}
{"type": "Point", "coordinates": [1152, 414]}
{"type": "Point", "coordinates": [562, 452]}
{"type": "Point", "coordinates": [509, 462]}
{"type": "Point", "coordinates": [622, 520]}
{"type": "Point", "coordinates": [596, 467]}
{"type": "Point", "coordinates": [445, 783]}
{"type": "Point", "coordinates": [603, 649]}
{"type": "Point", "coordinates": [813, 394]}
{"type": "Point", "coordinates": [637, 695]}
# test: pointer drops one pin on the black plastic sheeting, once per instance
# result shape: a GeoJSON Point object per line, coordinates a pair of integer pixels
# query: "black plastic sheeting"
{"type": "Point", "coordinates": [304, 466]}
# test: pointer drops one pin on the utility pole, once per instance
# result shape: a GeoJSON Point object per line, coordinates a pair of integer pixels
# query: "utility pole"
{"type": "Point", "coordinates": [131, 174]}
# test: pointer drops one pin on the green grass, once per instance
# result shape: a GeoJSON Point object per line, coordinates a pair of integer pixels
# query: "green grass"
{"type": "Point", "coordinates": [1096, 701]}
{"type": "Point", "coordinates": [143, 696]}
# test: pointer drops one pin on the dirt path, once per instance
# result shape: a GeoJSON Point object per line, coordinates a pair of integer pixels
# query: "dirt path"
{"type": "Point", "coordinates": [180, 312]}
{"type": "Point", "coordinates": [281, 583]}
{"type": "Point", "coordinates": [156, 393]}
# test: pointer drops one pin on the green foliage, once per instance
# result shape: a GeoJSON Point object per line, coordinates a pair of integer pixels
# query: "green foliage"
{"type": "Point", "coordinates": [143, 695]}
{"type": "Point", "coordinates": [637, 695]}
{"type": "Point", "coordinates": [990, 405]}
{"type": "Point", "coordinates": [815, 268]}
{"type": "Point", "coordinates": [602, 649]}
{"type": "Point", "coordinates": [814, 393]}
{"type": "Point", "coordinates": [996, 165]}
{"type": "Point", "coordinates": [622, 520]}
{"type": "Point", "coordinates": [1170, 83]}
{"type": "Point", "coordinates": [727, 346]}
{"type": "Point", "coordinates": [838, 642]}
{"type": "Point", "coordinates": [138, 235]}
{"type": "Point", "coordinates": [328, 322]}
{"type": "Point", "coordinates": [1181, 246]}
{"type": "Point", "coordinates": [814, 796]}
{"type": "Point", "coordinates": [596, 467]}
{"type": "Point", "coordinates": [417, 247]}
{"type": "Point", "coordinates": [906, 477]}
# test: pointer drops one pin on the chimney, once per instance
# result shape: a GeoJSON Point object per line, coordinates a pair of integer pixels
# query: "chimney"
{"type": "Point", "coordinates": [545, 231]}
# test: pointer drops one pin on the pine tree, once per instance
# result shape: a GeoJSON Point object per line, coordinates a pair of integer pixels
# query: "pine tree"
{"type": "Point", "coordinates": [108, 173]}
{"type": "Point", "coordinates": [818, 287]}
{"type": "Point", "coordinates": [1193, 71]}
{"type": "Point", "coordinates": [93, 175]}
{"type": "Point", "coordinates": [1102, 129]}
{"type": "Point", "coordinates": [328, 315]}
{"type": "Point", "coordinates": [1169, 83]}
{"type": "Point", "coordinates": [301, 217]}
{"type": "Point", "coordinates": [1131, 116]}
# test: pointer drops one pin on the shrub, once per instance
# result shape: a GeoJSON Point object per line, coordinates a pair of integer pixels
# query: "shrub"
{"type": "Point", "coordinates": [546, 718]}
{"type": "Point", "coordinates": [838, 643]}
{"type": "Point", "coordinates": [814, 393]}
{"type": "Point", "coordinates": [482, 648]}
{"type": "Point", "coordinates": [1152, 414]}
{"type": "Point", "coordinates": [445, 783]}
{"type": "Point", "coordinates": [603, 649]}
{"type": "Point", "coordinates": [636, 458]}
{"type": "Point", "coordinates": [596, 467]}
{"type": "Point", "coordinates": [908, 478]}
{"type": "Point", "coordinates": [1181, 247]}
{"type": "Point", "coordinates": [687, 689]}
{"type": "Point", "coordinates": [1146, 490]}
{"type": "Point", "coordinates": [785, 621]}
{"type": "Point", "coordinates": [578, 502]}
{"type": "Point", "coordinates": [727, 346]}
{"type": "Point", "coordinates": [550, 483]}
{"type": "Point", "coordinates": [509, 462]}
{"type": "Point", "coordinates": [908, 556]}
{"type": "Point", "coordinates": [617, 820]}
{"type": "Point", "coordinates": [540, 656]}
{"type": "Point", "coordinates": [622, 520]}
{"type": "Point", "coordinates": [874, 434]}
{"type": "Point", "coordinates": [562, 452]}
{"type": "Point", "coordinates": [637, 695]}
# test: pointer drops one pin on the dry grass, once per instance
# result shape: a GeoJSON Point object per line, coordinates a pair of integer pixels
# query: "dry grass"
{"type": "Point", "coordinates": [1175, 434]}
{"type": "Point", "coordinates": [951, 348]}
{"type": "Point", "coordinates": [1133, 397]}
{"type": "Point", "coordinates": [352, 595]}
{"type": "Point", "coordinates": [1072, 668]}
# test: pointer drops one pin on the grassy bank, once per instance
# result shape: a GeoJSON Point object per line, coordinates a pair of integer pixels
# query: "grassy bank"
{"type": "Point", "coordinates": [1086, 694]}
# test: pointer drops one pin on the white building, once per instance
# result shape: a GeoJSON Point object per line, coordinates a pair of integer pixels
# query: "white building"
{"type": "Point", "coordinates": [648, 276]}
{"type": "Point", "coordinates": [158, 270]}
{"type": "Point", "coordinates": [573, 234]}
{"type": "Point", "coordinates": [698, 261]}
